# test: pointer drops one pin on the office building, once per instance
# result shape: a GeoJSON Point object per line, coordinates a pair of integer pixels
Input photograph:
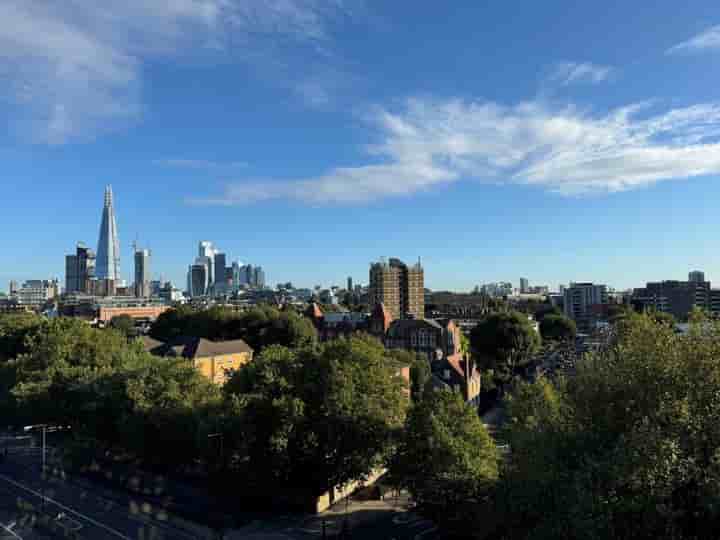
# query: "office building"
{"type": "Point", "coordinates": [258, 277]}
{"type": "Point", "coordinates": [219, 270]}
{"type": "Point", "coordinates": [107, 264]}
{"type": "Point", "coordinates": [675, 297]}
{"type": "Point", "coordinates": [13, 289]}
{"type": "Point", "coordinates": [524, 285]}
{"type": "Point", "coordinates": [349, 284]}
{"type": "Point", "coordinates": [142, 273]}
{"type": "Point", "coordinates": [206, 255]}
{"type": "Point", "coordinates": [197, 280]}
{"type": "Point", "coordinates": [585, 303]}
{"type": "Point", "coordinates": [399, 288]}
{"type": "Point", "coordinates": [79, 269]}
{"type": "Point", "coordinates": [696, 276]}
{"type": "Point", "coordinates": [35, 293]}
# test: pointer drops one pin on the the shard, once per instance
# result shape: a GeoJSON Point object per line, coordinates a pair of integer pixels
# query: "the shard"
{"type": "Point", "coordinates": [107, 262]}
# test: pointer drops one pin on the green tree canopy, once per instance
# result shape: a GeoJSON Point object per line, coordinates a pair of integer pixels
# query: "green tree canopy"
{"type": "Point", "coordinates": [318, 417]}
{"type": "Point", "coordinates": [504, 341]}
{"type": "Point", "coordinates": [557, 327]}
{"type": "Point", "coordinates": [14, 328]}
{"type": "Point", "coordinates": [124, 324]}
{"type": "Point", "coordinates": [259, 327]}
{"type": "Point", "coordinates": [628, 448]}
{"type": "Point", "coordinates": [445, 455]}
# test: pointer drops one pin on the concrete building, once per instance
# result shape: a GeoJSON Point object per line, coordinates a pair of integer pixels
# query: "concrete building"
{"type": "Point", "coordinates": [400, 288]}
{"type": "Point", "coordinates": [35, 293]}
{"type": "Point", "coordinates": [675, 297]}
{"type": "Point", "coordinates": [79, 269]}
{"type": "Point", "coordinates": [585, 303]}
{"type": "Point", "coordinates": [13, 288]}
{"type": "Point", "coordinates": [142, 273]}
{"type": "Point", "coordinates": [524, 285]}
{"type": "Point", "coordinates": [216, 360]}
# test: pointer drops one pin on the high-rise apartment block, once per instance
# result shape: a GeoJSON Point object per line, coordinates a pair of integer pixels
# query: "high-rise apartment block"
{"type": "Point", "coordinates": [400, 288]}
{"type": "Point", "coordinates": [585, 303]}
{"type": "Point", "coordinates": [142, 273]}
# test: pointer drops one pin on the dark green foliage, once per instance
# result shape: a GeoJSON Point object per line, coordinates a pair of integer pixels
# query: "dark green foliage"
{"type": "Point", "coordinates": [626, 449]}
{"type": "Point", "coordinates": [14, 328]}
{"type": "Point", "coordinates": [557, 328]}
{"type": "Point", "coordinates": [317, 417]}
{"type": "Point", "coordinates": [258, 327]}
{"type": "Point", "coordinates": [445, 455]}
{"type": "Point", "coordinates": [124, 324]}
{"type": "Point", "coordinates": [504, 341]}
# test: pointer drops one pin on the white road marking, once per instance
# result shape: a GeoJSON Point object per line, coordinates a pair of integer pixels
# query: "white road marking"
{"type": "Point", "coordinates": [419, 536]}
{"type": "Point", "coordinates": [60, 505]}
{"type": "Point", "coordinates": [8, 529]}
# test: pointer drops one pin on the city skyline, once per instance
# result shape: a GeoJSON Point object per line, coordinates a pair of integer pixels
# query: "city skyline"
{"type": "Point", "coordinates": [593, 157]}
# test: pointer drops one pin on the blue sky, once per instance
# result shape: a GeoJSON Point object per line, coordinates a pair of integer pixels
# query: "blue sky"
{"type": "Point", "coordinates": [552, 140]}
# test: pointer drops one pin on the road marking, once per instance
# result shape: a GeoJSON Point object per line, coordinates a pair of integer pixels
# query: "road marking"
{"type": "Point", "coordinates": [419, 536]}
{"type": "Point", "coordinates": [8, 529]}
{"type": "Point", "coordinates": [75, 512]}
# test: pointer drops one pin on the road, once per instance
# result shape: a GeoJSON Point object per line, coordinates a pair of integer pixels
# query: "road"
{"type": "Point", "coordinates": [365, 520]}
{"type": "Point", "coordinates": [84, 507]}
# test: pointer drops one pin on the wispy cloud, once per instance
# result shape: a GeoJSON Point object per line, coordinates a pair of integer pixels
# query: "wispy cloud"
{"type": "Point", "coordinates": [709, 39]}
{"type": "Point", "coordinates": [75, 67]}
{"type": "Point", "coordinates": [202, 164]}
{"type": "Point", "coordinates": [565, 73]}
{"type": "Point", "coordinates": [566, 150]}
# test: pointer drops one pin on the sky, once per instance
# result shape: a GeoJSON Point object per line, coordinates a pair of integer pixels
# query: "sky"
{"type": "Point", "coordinates": [557, 141]}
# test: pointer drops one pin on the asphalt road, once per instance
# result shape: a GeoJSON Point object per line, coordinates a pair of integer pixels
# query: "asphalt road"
{"type": "Point", "coordinates": [83, 507]}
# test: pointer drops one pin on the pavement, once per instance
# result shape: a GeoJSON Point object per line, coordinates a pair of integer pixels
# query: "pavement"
{"type": "Point", "coordinates": [372, 520]}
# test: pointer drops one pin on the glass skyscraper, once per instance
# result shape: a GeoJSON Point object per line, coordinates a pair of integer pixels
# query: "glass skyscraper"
{"type": "Point", "coordinates": [107, 262]}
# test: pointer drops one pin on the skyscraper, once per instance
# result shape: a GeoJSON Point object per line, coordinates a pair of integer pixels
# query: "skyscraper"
{"type": "Point", "coordinates": [206, 255]}
{"type": "Point", "coordinates": [696, 276]}
{"type": "Point", "coordinates": [142, 273]}
{"type": "Point", "coordinates": [79, 269]}
{"type": "Point", "coordinates": [197, 280]}
{"type": "Point", "coordinates": [107, 266]}
{"type": "Point", "coordinates": [220, 261]}
{"type": "Point", "coordinates": [399, 288]}
{"type": "Point", "coordinates": [349, 284]}
{"type": "Point", "coordinates": [524, 285]}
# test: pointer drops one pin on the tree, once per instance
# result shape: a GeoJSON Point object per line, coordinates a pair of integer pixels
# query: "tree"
{"type": "Point", "coordinates": [445, 455]}
{"type": "Point", "coordinates": [557, 328]}
{"type": "Point", "coordinates": [635, 433]}
{"type": "Point", "coordinates": [14, 328]}
{"type": "Point", "coordinates": [314, 418]}
{"type": "Point", "coordinates": [419, 370]}
{"type": "Point", "coordinates": [504, 341]}
{"type": "Point", "coordinates": [260, 326]}
{"type": "Point", "coordinates": [124, 324]}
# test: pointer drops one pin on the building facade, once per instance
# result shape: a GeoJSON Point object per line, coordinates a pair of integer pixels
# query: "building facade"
{"type": "Point", "coordinates": [400, 288]}
{"type": "Point", "coordinates": [142, 273]}
{"type": "Point", "coordinates": [79, 269]}
{"type": "Point", "coordinates": [585, 303]}
{"type": "Point", "coordinates": [524, 285]}
{"type": "Point", "coordinates": [675, 297]}
{"type": "Point", "coordinates": [197, 280]}
{"type": "Point", "coordinates": [107, 265]}
{"type": "Point", "coordinates": [35, 293]}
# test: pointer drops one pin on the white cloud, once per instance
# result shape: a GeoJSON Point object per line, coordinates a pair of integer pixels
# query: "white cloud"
{"type": "Point", "coordinates": [566, 150]}
{"type": "Point", "coordinates": [76, 66]}
{"type": "Point", "coordinates": [566, 73]}
{"type": "Point", "coordinates": [709, 39]}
